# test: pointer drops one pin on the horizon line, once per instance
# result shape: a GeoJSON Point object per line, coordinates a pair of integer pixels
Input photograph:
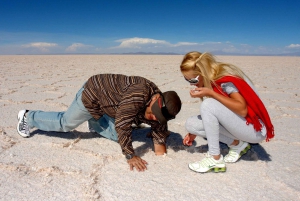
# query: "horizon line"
{"type": "Point", "coordinates": [159, 53]}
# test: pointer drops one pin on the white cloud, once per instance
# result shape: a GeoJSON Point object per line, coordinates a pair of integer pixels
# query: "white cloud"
{"type": "Point", "coordinates": [184, 44]}
{"type": "Point", "coordinates": [294, 46]}
{"type": "Point", "coordinates": [139, 42]}
{"type": "Point", "coordinates": [42, 46]}
{"type": "Point", "coordinates": [77, 46]}
{"type": "Point", "coordinates": [148, 44]}
{"type": "Point", "coordinates": [136, 44]}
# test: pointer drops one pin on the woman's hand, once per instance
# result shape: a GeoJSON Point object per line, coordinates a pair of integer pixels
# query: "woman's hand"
{"type": "Point", "coordinates": [188, 139]}
{"type": "Point", "coordinates": [201, 92]}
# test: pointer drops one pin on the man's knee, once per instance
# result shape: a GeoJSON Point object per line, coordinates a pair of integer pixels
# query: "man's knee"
{"type": "Point", "coordinates": [68, 126]}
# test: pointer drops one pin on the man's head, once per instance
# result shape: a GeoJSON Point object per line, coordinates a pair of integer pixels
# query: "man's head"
{"type": "Point", "coordinates": [166, 106]}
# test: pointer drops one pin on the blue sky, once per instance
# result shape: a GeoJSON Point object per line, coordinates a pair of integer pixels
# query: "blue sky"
{"type": "Point", "coordinates": [260, 27]}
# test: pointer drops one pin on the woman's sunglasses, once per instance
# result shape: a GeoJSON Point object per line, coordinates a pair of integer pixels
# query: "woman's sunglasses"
{"type": "Point", "coordinates": [193, 80]}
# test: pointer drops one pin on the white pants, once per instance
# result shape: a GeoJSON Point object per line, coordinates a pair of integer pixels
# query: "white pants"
{"type": "Point", "coordinates": [218, 123]}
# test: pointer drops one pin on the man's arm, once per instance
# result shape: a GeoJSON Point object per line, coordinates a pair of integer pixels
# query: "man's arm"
{"type": "Point", "coordinates": [133, 101]}
{"type": "Point", "coordinates": [159, 134]}
{"type": "Point", "coordinates": [160, 149]}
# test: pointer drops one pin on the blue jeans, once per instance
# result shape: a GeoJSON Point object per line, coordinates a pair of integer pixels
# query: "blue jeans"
{"type": "Point", "coordinates": [72, 118]}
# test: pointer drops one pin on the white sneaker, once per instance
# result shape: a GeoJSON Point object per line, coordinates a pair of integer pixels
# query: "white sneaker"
{"type": "Point", "coordinates": [142, 125]}
{"type": "Point", "coordinates": [22, 127]}
{"type": "Point", "coordinates": [90, 128]}
{"type": "Point", "coordinates": [235, 152]}
{"type": "Point", "coordinates": [208, 164]}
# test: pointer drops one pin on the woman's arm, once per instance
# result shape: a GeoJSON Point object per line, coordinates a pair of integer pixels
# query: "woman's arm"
{"type": "Point", "coordinates": [235, 102]}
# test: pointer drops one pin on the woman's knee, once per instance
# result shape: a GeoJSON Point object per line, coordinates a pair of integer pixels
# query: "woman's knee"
{"type": "Point", "coordinates": [189, 125]}
{"type": "Point", "coordinates": [211, 105]}
{"type": "Point", "coordinates": [208, 104]}
{"type": "Point", "coordinates": [194, 125]}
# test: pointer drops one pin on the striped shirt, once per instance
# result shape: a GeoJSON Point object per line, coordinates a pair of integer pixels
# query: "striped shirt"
{"type": "Point", "coordinates": [124, 98]}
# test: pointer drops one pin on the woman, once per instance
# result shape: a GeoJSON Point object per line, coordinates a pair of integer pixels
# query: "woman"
{"type": "Point", "coordinates": [231, 111]}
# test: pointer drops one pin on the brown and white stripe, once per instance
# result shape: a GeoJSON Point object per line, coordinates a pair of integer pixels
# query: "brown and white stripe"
{"type": "Point", "coordinates": [123, 98]}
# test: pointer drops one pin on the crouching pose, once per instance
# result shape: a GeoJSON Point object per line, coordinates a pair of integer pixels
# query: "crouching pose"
{"type": "Point", "coordinates": [231, 111]}
{"type": "Point", "coordinates": [111, 103]}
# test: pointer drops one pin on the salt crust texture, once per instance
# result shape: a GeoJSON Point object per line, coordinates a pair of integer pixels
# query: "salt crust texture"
{"type": "Point", "coordinates": [84, 166]}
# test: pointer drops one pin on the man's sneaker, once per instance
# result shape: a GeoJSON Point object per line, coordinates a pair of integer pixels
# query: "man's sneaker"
{"type": "Point", "coordinates": [90, 128]}
{"type": "Point", "coordinates": [22, 127]}
{"type": "Point", "coordinates": [142, 125]}
{"type": "Point", "coordinates": [235, 152]}
{"type": "Point", "coordinates": [208, 164]}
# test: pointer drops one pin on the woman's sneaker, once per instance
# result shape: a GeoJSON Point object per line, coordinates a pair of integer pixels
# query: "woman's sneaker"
{"type": "Point", "coordinates": [235, 152]}
{"type": "Point", "coordinates": [208, 164]}
{"type": "Point", "coordinates": [22, 127]}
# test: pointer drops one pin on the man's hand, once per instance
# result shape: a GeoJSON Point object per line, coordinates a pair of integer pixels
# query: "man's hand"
{"type": "Point", "coordinates": [138, 163]}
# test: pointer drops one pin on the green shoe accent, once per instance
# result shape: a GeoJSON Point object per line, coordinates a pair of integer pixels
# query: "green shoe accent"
{"type": "Point", "coordinates": [208, 164]}
{"type": "Point", "coordinates": [216, 170]}
{"type": "Point", "coordinates": [245, 150]}
{"type": "Point", "coordinates": [235, 152]}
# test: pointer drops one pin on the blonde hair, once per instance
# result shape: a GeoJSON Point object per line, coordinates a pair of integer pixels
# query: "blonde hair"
{"type": "Point", "coordinates": [205, 64]}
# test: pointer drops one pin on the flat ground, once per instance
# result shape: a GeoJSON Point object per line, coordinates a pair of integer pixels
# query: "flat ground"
{"type": "Point", "coordinates": [83, 166]}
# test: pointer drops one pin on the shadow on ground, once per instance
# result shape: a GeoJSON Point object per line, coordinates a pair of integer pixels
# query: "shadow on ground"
{"type": "Point", "coordinates": [66, 135]}
{"type": "Point", "coordinates": [174, 142]}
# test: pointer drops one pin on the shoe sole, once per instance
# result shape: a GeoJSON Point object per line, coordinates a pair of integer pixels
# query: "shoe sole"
{"type": "Point", "coordinates": [215, 170]}
{"type": "Point", "coordinates": [242, 153]}
{"type": "Point", "coordinates": [19, 121]}
{"type": "Point", "coordinates": [91, 130]}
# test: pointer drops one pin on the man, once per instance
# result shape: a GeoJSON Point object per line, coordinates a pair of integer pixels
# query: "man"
{"type": "Point", "coordinates": [111, 103]}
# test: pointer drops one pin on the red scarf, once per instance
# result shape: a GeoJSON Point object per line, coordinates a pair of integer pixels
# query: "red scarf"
{"type": "Point", "coordinates": [256, 108]}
